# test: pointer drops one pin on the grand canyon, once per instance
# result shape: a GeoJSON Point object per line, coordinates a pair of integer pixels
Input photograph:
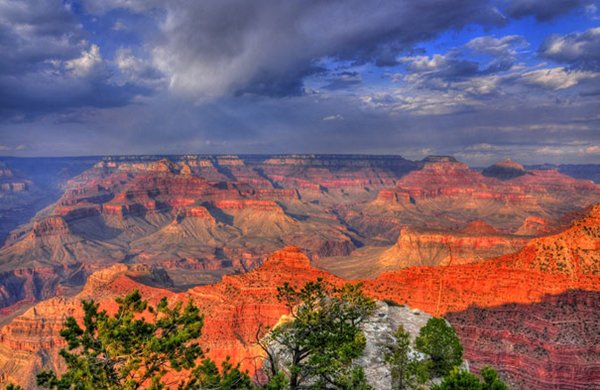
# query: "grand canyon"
{"type": "Point", "coordinates": [509, 255]}
{"type": "Point", "coordinates": [294, 195]}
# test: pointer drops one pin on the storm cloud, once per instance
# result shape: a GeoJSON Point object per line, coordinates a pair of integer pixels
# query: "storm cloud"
{"type": "Point", "coordinates": [215, 48]}
{"type": "Point", "coordinates": [579, 50]}
{"type": "Point", "coordinates": [48, 63]}
{"type": "Point", "coordinates": [466, 77]}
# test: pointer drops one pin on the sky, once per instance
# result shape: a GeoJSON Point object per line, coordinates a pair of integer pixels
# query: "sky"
{"type": "Point", "coordinates": [478, 79]}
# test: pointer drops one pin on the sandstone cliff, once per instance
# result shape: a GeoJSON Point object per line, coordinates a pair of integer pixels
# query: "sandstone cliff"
{"type": "Point", "coordinates": [473, 296]}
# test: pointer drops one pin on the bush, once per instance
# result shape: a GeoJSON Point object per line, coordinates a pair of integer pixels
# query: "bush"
{"type": "Point", "coordinates": [438, 340]}
{"type": "Point", "coordinates": [464, 380]}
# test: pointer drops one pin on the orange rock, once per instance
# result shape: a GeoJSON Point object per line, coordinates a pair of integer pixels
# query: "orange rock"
{"type": "Point", "coordinates": [238, 306]}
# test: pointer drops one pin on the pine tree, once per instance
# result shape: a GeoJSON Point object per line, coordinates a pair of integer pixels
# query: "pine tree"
{"type": "Point", "coordinates": [137, 347]}
{"type": "Point", "coordinates": [323, 336]}
{"type": "Point", "coordinates": [438, 340]}
{"type": "Point", "coordinates": [408, 372]}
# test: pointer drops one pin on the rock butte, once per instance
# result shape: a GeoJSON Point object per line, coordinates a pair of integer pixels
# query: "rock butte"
{"type": "Point", "coordinates": [485, 301]}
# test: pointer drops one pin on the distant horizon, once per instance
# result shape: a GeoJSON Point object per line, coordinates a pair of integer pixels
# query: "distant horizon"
{"type": "Point", "coordinates": [358, 155]}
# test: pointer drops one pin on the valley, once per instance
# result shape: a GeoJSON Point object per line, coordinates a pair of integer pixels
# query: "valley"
{"type": "Point", "coordinates": [477, 246]}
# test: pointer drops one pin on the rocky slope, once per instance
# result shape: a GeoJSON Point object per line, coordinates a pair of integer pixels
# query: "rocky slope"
{"type": "Point", "coordinates": [475, 242]}
{"type": "Point", "coordinates": [445, 193]}
{"type": "Point", "coordinates": [29, 185]}
{"type": "Point", "coordinates": [553, 343]}
{"type": "Point", "coordinates": [200, 217]}
{"type": "Point", "coordinates": [482, 299]}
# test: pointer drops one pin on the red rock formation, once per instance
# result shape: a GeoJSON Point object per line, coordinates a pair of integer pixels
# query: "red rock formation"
{"type": "Point", "coordinates": [476, 242]}
{"type": "Point", "coordinates": [479, 228]}
{"type": "Point", "coordinates": [236, 307]}
{"type": "Point", "coordinates": [201, 217]}
{"type": "Point", "coordinates": [50, 226]}
{"type": "Point", "coordinates": [262, 205]}
{"type": "Point", "coordinates": [392, 198]}
{"type": "Point", "coordinates": [554, 343]}
{"type": "Point", "coordinates": [472, 244]}
{"type": "Point", "coordinates": [233, 310]}
{"type": "Point", "coordinates": [534, 226]}
{"type": "Point", "coordinates": [448, 177]}
{"type": "Point", "coordinates": [547, 265]}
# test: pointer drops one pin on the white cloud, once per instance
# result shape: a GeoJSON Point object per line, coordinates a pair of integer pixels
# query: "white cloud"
{"type": "Point", "coordinates": [137, 70]}
{"type": "Point", "coordinates": [86, 63]}
{"type": "Point", "coordinates": [594, 149]}
{"type": "Point", "coordinates": [556, 78]}
{"type": "Point", "coordinates": [500, 47]}
{"type": "Point", "coordinates": [335, 117]}
{"type": "Point", "coordinates": [425, 63]}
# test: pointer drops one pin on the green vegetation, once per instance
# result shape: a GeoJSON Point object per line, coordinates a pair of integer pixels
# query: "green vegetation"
{"type": "Point", "coordinates": [156, 347]}
{"type": "Point", "coordinates": [322, 338]}
{"type": "Point", "coordinates": [442, 354]}
{"type": "Point", "coordinates": [438, 340]}
{"type": "Point", "coordinates": [464, 380]}
{"type": "Point", "coordinates": [408, 372]}
{"type": "Point", "coordinates": [138, 347]}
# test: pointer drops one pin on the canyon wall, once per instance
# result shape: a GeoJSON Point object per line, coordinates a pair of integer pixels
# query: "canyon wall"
{"type": "Point", "coordinates": [523, 313]}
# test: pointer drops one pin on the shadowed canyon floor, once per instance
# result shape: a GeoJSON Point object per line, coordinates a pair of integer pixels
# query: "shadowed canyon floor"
{"type": "Point", "coordinates": [478, 247]}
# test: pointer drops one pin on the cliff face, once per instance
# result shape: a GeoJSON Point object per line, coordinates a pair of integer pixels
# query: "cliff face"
{"type": "Point", "coordinates": [547, 336]}
{"type": "Point", "coordinates": [475, 242]}
{"type": "Point", "coordinates": [200, 217]}
{"type": "Point", "coordinates": [553, 343]}
{"type": "Point", "coordinates": [234, 309]}
{"type": "Point", "coordinates": [503, 308]}
{"type": "Point", "coordinates": [546, 265]}
{"type": "Point", "coordinates": [444, 248]}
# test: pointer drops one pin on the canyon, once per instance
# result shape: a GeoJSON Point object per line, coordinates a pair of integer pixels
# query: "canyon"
{"type": "Point", "coordinates": [478, 246]}
{"type": "Point", "coordinates": [532, 314]}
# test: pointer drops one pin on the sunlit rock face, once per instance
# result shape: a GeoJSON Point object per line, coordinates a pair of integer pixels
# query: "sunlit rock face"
{"type": "Point", "coordinates": [505, 170]}
{"type": "Point", "coordinates": [552, 343]}
{"type": "Point", "coordinates": [540, 287]}
{"type": "Point", "coordinates": [435, 234]}
{"type": "Point", "coordinates": [200, 217]}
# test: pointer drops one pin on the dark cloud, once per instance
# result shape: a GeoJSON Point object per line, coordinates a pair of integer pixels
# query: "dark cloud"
{"type": "Point", "coordinates": [531, 133]}
{"type": "Point", "coordinates": [578, 50]}
{"type": "Point", "coordinates": [542, 10]}
{"type": "Point", "coordinates": [48, 64]}
{"type": "Point", "coordinates": [213, 48]}
{"type": "Point", "coordinates": [343, 80]}
{"type": "Point", "coordinates": [263, 76]}
{"type": "Point", "coordinates": [456, 68]}
{"type": "Point", "coordinates": [35, 32]}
